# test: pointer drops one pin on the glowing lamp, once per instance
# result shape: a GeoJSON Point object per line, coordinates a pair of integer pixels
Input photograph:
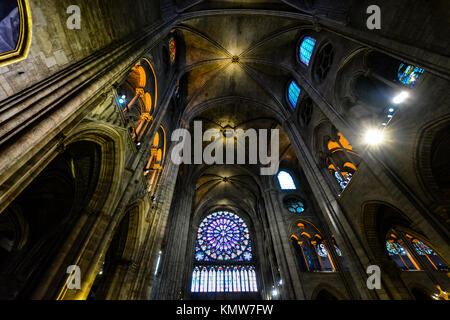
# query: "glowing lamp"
{"type": "Point", "coordinates": [401, 97]}
{"type": "Point", "coordinates": [374, 137]}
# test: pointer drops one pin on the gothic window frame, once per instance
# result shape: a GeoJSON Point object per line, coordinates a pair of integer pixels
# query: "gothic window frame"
{"type": "Point", "coordinates": [24, 39]}
{"type": "Point", "coordinates": [340, 177]}
{"type": "Point", "coordinates": [397, 251]}
{"type": "Point", "coordinates": [421, 261]}
{"type": "Point", "coordinates": [308, 240]}
{"type": "Point", "coordinates": [306, 111]}
{"type": "Point", "coordinates": [323, 62]}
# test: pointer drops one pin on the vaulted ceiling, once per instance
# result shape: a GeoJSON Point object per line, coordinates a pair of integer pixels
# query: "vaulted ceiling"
{"type": "Point", "coordinates": [243, 59]}
{"type": "Point", "coordinates": [236, 73]}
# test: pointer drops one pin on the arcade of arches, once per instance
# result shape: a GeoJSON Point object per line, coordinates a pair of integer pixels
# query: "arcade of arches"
{"type": "Point", "coordinates": [87, 178]}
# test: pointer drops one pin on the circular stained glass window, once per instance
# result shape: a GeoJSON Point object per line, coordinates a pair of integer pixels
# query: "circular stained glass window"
{"type": "Point", "coordinates": [172, 50]}
{"type": "Point", "coordinates": [294, 205]}
{"type": "Point", "coordinates": [223, 236]}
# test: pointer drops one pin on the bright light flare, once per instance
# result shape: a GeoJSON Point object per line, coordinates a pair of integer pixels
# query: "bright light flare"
{"type": "Point", "coordinates": [374, 137]}
{"type": "Point", "coordinates": [401, 97]}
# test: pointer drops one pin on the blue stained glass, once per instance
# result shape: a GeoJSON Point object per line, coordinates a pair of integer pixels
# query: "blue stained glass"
{"type": "Point", "coordinates": [237, 275]}
{"type": "Point", "coordinates": [195, 280]}
{"type": "Point", "coordinates": [307, 257]}
{"type": "Point", "coordinates": [294, 93]}
{"type": "Point", "coordinates": [394, 248]}
{"type": "Point", "coordinates": [433, 258]}
{"type": "Point", "coordinates": [409, 74]}
{"type": "Point", "coordinates": [343, 182]}
{"type": "Point", "coordinates": [294, 206]}
{"type": "Point", "coordinates": [212, 280]}
{"type": "Point", "coordinates": [423, 249]}
{"type": "Point", "coordinates": [324, 257]}
{"type": "Point", "coordinates": [322, 251]}
{"type": "Point", "coordinates": [252, 276]}
{"type": "Point", "coordinates": [306, 49]}
{"type": "Point", "coordinates": [224, 279]}
{"type": "Point", "coordinates": [204, 280]}
{"type": "Point", "coordinates": [223, 236]}
{"type": "Point", "coordinates": [338, 251]}
{"type": "Point", "coordinates": [220, 280]}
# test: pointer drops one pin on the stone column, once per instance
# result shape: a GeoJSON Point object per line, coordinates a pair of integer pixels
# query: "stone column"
{"type": "Point", "coordinates": [174, 263]}
{"type": "Point", "coordinates": [291, 287]}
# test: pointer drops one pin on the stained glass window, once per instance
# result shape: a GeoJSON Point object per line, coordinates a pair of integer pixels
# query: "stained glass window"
{"type": "Point", "coordinates": [239, 279]}
{"type": "Point", "coordinates": [294, 205]}
{"type": "Point", "coordinates": [195, 280]}
{"type": "Point", "coordinates": [325, 259]}
{"type": "Point", "coordinates": [343, 182]}
{"type": "Point", "coordinates": [306, 49]}
{"type": "Point", "coordinates": [394, 248]}
{"type": "Point", "coordinates": [204, 280]}
{"type": "Point", "coordinates": [308, 258]}
{"type": "Point", "coordinates": [322, 251]}
{"type": "Point", "coordinates": [220, 280]}
{"type": "Point", "coordinates": [409, 74]}
{"type": "Point", "coordinates": [286, 181]}
{"type": "Point", "coordinates": [422, 248]}
{"type": "Point", "coordinates": [432, 258]}
{"type": "Point", "coordinates": [223, 237]}
{"type": "Point", "coordinates": [172, 50]}
{"type": "Point", "coordinates": [400, 256]}
{"type": "Point", "coordinates": [294, 93]}
{"type": "Point", "coordinates": [338, 251]}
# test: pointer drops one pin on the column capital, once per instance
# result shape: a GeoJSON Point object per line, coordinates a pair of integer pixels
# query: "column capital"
{"type": "Point", "coordinates": [146, 116]}
{"type": "Point", "coordinates": [140, 92]}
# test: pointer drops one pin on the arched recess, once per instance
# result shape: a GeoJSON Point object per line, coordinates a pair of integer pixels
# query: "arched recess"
{"type": "Point", "coordinates": [306, 111]}
{"type": "Point", "coordinates": [115, 275]}
{"type": "Point", "coordinates": [38, 224]}
{"type": "Point", "coordinates": [372, 86]}
{"type": "Point", "coordinates": [335, 155]}
{"type": "Point", "coordinates": [138, 97]}
{"type": "Point", "coordinates": [419, 292]}
{"type": "Point", "coordinates": [16, 36]}
{"type": "Point", "coordinates": [378, 218]}
{"type": "Point", "coordinates": [235, 189]}
{"type": "Point", "coordinates": [327, 293]}
{"type": "Point", "coordinates": [432, 166]}
{"type": "Point", "coordinates": [155, 163]}
{"type": "Point", "coordinates": [87, 233]}
{"type": "Point", "coordinates": [312, 251]}
{"type": "Point", "coordinates": [394, 246]}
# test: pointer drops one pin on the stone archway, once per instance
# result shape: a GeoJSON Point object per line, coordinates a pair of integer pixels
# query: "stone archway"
{"type": "Point", "coordinates": [118, 264]}
{"type": "Point", "coordinates": [39, 221]}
